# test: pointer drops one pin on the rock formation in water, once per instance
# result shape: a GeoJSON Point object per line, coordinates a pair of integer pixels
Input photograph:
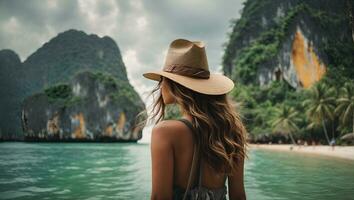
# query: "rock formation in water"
{"type": "Point", "coordinates": [69, 52]}
{"type": "Point", "coordinates": [11, 92]}
{"type": "Point", "coordinates": [93, 106]}
{"type": "Point", "coordinates": [56, 62]}
{"type": "Point", "coordinates": [295, 40]}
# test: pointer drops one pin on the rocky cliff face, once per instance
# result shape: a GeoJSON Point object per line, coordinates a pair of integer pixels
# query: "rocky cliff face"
{"type": "Point", "coordinates": [11, 92]}
{"type": "Point", "coordinates": [295, 40]}
{"type": "Point", "coordinates": [93, 106]}
{"type": "Point", "coordinates": [71, 53]}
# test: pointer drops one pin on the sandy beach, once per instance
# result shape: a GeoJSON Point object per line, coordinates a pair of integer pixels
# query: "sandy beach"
{"type": "Point", "coordinates": [345, 152]}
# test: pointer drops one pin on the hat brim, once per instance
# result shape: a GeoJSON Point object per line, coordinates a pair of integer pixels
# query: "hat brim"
{"type": "Point", "coordinates": [216, 84]}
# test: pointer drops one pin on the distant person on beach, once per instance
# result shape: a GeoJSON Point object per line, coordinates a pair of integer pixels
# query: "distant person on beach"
{"type": "Point", "coordinates": [193, 156]}
{"type": "Point", "coordinates": [332, 143]}
{"type": "Point", "coordinates": [299, 143]}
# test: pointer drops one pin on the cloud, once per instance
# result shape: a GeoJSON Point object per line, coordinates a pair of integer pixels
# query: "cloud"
{"type": "Point", "coordinates": [142, 29]}
{"type": "Point", "coordinates": [130, 58]}
{"type": "Point", "coordinates": [99, 16]}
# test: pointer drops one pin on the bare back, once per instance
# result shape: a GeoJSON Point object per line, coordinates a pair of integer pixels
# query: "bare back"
{"type": "Point", "coordinates": [172, 155]}
{"type": "Point", "coordinates": [183, 154]}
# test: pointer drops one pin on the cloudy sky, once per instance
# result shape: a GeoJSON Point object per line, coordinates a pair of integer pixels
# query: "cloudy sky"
{"type": "Point", "coordinates": [142, 29]}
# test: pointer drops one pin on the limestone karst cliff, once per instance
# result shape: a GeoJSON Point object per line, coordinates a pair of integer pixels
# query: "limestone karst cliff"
{"type": "Point", "coordinates": [295, 40]}
{"type": "Point", "coordinates": [92, 106]}
{"type": "Point", "coordinates": [26, 85]}
{"type": "Point", "coordinates": [283, 54]}
{"type": "Point", "coordinates": [11, 92]}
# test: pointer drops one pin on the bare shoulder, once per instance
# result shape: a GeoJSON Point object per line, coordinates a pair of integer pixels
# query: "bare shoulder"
{"type": "Point", "coordinates": [168, 129]}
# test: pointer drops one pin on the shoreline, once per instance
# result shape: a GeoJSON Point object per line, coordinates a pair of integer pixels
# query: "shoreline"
{"type": "Point", "coordinates": [344, 152]}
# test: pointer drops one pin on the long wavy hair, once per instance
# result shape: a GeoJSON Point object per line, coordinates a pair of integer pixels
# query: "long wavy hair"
{"type": "Point", "coordinates": [220, 133]}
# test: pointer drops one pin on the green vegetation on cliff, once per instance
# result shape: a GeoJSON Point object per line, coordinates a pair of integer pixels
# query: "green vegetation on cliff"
{"type": "Point", "coordinates": [119, 90]}
{"type": "Point", "coordinates": [46, 72]}
{"type": "Point", "coordinates": [61, 94]}
{"type": "Point", "coordinates": [256, 43]}
{"type": "Point", "coordinates": [71, 51]}
{"type": "Point", "coordinates": [122, 88]}
{"type": "Point", "coordinates": [267, 43]}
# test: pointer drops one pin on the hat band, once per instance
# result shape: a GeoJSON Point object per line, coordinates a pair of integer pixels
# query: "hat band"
{"type": "Point", "coordinates": [187, 71]}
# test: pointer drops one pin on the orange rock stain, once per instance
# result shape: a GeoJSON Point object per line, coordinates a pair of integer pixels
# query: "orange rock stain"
{"type": "Point", "coordinates": [79, 131]}
{"type": "Point", "coordinates": [308, 66]}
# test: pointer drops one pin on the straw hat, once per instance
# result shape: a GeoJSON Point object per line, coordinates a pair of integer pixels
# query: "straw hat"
{"type": "Point", "coordinates": [186, 63]}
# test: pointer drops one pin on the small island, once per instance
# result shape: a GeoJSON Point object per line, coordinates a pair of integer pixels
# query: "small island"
{"type": "Point", "coordinates": [72, 89]}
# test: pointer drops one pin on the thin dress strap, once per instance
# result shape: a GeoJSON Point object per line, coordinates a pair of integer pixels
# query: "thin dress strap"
{"type": "Point", "coordinates": [190, 125]}
{"type": "Point", "coordinates": [200, 172]}
{"type": "Point", "coordinates": [195, 157]}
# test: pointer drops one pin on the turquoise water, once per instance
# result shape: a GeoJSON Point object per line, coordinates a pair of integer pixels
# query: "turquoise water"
{"type": "Point", "coordinates": [122, 171]}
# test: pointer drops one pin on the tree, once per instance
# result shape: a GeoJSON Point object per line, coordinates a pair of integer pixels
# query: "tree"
{"type": "Point", "coordinates": [350, 16]}
{"type": "Point", "coordinates": [285, 121]}
{"type": "Point", "coordinates": [320, 106]}
{"type": "Point", "coordinates": [345, 105]}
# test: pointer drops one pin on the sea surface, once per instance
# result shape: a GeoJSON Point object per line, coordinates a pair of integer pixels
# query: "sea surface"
{"type": "Point", "coordinates": [123, 171]}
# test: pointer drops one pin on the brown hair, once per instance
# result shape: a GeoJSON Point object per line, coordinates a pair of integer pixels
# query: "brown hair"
{"type": "Point", "coordinates": [220, 133]}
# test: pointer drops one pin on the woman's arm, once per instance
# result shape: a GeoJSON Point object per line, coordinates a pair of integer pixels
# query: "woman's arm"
{"type": "Point", "coordinates": [162, 163]}
{"type": "Point", "coordinates": [236, 186]}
